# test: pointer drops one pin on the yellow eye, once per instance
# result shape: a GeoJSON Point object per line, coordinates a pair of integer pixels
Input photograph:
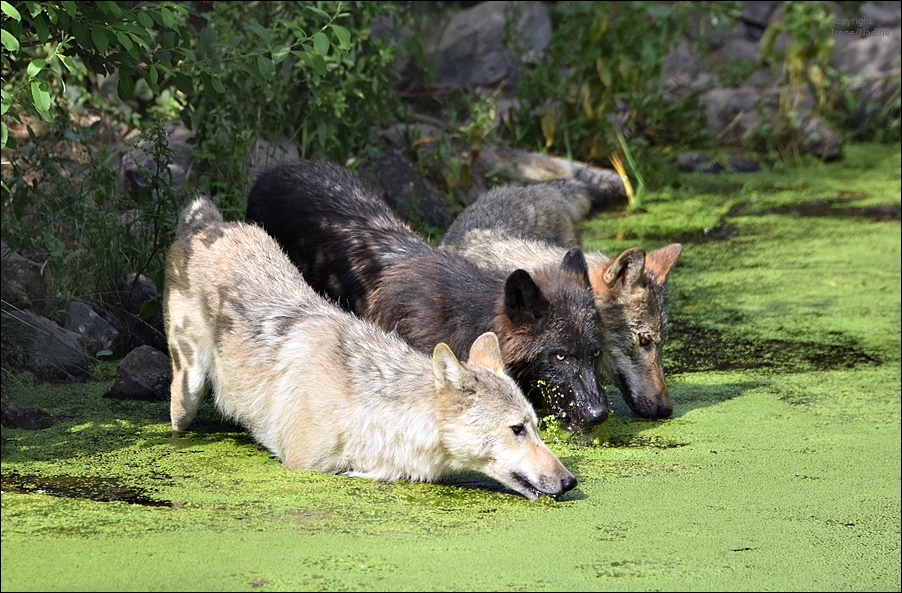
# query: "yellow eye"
{"type": "Point", "coordinates": [561, 356]}
{"type": "Point", "coordinates": [518, 429]}
{"type": "Point", "coordinates": [596, 354]}
{"type": "Point", "coordinates": [644, 341]}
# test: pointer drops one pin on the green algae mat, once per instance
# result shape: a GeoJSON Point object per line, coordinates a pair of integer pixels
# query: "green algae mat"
{"type": "Point", "coordinates": [779, 470]}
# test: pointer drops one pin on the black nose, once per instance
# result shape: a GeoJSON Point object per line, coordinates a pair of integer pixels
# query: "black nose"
{"type": "Point", "coordinates": [568, 483]}
{"type": "Point", "coordinates": [596, 413]}
{"type": "Point", "coordinates": [665, 409]}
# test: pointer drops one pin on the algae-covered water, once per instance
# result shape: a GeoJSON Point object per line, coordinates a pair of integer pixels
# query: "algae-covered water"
{"type": "Point", "coordinates": [779, 470]}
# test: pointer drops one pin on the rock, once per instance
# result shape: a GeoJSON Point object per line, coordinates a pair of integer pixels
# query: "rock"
{"type": "Point", "coordinates": [472, 50]}
{"type": "Point", "coordinates": [144, 374]}
{"type": "Point", "coordinates": [139, 319]}
{"type": "Point", "coordinates": [409, 195]}
{"type": "Point", "coordinates": [96, 333]}
{"type": "Point", "coordinates": [13, 416]}
{"type": "Point", "coordinates": [21, 281]}
{"type": "Point", "coordinates": [819, 139]}
{"type": "Point", "coordinates": [263, 153]}
{"type": "Point", "coordinates": [51, 352]}
{"type": "Point", "coordinates": [755, 18]}
{"type": "Point", "coordinates": [138, 167]}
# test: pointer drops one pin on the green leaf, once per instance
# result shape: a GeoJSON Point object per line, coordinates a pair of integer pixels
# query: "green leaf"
{"type": "Point", "coordinates": [167, 17]}
{"type": "Point", "coordinates": [321, 44]}
{"type": "Point", "coordinates": [318, 11]}
{"type": "Point", "coordinates": [319, 64]}
{"type": "Point", "coordinates": [151, 76]}
{"type": "Point", "coordinates": [126, 87]}
{"type": "Point", "coordinates": [11, 12]}
{"type": "Point", "coordinates": [41, 99]}
{"type": "Point", "coordinates": [217, 84]}
{"type": "Point", "coordinates": [279, 52]}
{"type": "Point", "coordinates": [344, 37]}
{"type": "Point", "coordinates": [109, 8]}
{"type": "Point", "coordinates": [148, 309]}
{"type": "Point", "coordinates": [260, 31]}
{"type": "Point", "coordinates": [69, 7]}
{"type": "Point", "coordinates": [98, 36]}
{"type": "Point", "coordinates": [266, 67]}
{"type": "Point", "coordinates": [41, 28]}
{"type": "Point", "coordinates": [35, 67]}
{"type": "Point", "coordinates": [67, 62]}
{"type": "Point", "coordinates": [144, 20]}
{"type": "Point", "coordinates": [9, 42]}
{"type": "Point", "coordinates": [124, 40]}
{"type": "Point", "coordinates": [4, 134]}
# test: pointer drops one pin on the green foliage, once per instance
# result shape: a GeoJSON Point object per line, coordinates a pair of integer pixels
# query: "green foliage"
{"type": "Point", "coordinates": [603, 75]}
{"type": "Point", "coordinates": [48, 43]}
{"type": "Point", "coordinates": [68, 213]}
{"type": "Point", "coordinates": [808, 47]}
{"type": "Point", "coordinates": [314, 73]}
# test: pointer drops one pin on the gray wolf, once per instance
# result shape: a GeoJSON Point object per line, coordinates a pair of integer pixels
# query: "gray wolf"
{"type": "Point", "coordinates": [350, 246]}
{"type": "Point", "coordinates": [526, 227]}
{"type": "Point", "coordinates": [326, 391]}
{"type": "Point", "coordinates": [549, 211]}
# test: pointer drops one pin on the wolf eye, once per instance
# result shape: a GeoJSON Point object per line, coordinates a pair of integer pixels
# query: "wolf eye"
{"type": "Point", "coordinates": [560, 356]}
{"type": "Point", "coordinates": [645, 341]}
{"type": "Point", "coordinates": [596, 354]}
{"type": "Point", "coordinates": [518, 429]}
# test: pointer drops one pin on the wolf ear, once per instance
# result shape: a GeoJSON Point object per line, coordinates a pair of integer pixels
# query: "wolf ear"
{"type": "Point", "coordinates": [575, 261]}
{"type": "Point", "coordinates": [660, 261]}
{"type": "Point", "coordinates": [486, 351]}
{"type": "Point", "coordinates": [523, 300]}
{"type": "Point", "coordinates": [627, 268]}
{"type": "Point", "coordinates": [448, 371]}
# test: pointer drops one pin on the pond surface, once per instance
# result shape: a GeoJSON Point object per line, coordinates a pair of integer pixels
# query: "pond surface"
{"type": "Point", "coordinates": [779, 470]}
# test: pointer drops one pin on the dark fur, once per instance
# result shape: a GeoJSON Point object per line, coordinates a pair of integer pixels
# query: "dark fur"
{"type": "Point", "coordinates": [350, 246]}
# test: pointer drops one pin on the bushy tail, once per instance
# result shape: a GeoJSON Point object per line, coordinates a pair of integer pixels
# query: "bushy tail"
{"type": "Point", "coordinates": [199, 213]}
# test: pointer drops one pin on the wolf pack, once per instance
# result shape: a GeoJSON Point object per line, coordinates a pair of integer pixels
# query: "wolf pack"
{"type": "Point", "coordinates": [346, 343]}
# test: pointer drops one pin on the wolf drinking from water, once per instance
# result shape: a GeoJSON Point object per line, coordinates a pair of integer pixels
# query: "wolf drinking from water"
{"type": "Point", "coordinates": [326, 391]}
{"type": "Point", "coordinates": [528, 226]}
{"type": "Point", "coordinates": [350, 246]}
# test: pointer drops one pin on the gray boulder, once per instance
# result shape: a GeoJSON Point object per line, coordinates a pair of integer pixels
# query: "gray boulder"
{"type": "Point", "coordinates": [144, 374]}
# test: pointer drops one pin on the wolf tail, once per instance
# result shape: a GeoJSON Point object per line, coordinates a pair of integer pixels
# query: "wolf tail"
{"type": "Point", "coordinates": [198, 214]}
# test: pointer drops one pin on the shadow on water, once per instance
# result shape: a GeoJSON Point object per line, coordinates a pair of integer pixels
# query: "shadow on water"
{"type": "Point", "coordinates": [696, 348]}
{"type": "Point", "coordinates": [91, 488]}
{"type": "Point", "coordinates": [838, 208]}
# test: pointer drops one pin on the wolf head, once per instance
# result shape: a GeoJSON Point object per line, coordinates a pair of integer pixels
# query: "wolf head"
{"type": "Point", "coordinates": [630, 292]}
{"type": "Point", "coordinates": [556, 343]}
{"type": "Point", "coordinates": [488, 425]}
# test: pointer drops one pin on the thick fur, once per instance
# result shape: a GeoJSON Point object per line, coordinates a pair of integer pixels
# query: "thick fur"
{"type": "Point", "coordinates": [547, 211]}
{"type": "Point", "coordinates": [326, 391]}
{"type": "Point", "coordinates": [350, 246]}
{"type": "Point", "coordinates": [630, 289]}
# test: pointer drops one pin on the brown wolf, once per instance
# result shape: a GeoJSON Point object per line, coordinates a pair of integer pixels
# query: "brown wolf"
{"type": "Point", "coordinates": [350, 246]}
{"type": "Point", "coordinates": [515, 226]}
{"type": "Point", "coordinates": [326, 391]}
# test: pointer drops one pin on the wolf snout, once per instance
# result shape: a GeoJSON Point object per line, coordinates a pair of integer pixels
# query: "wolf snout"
{"type": "Point", "coordinates": [597, 412]}
{"type": "Point", "coordinates": [664, 409]}
{"type": "Point", "coordinates": [568, 483]}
